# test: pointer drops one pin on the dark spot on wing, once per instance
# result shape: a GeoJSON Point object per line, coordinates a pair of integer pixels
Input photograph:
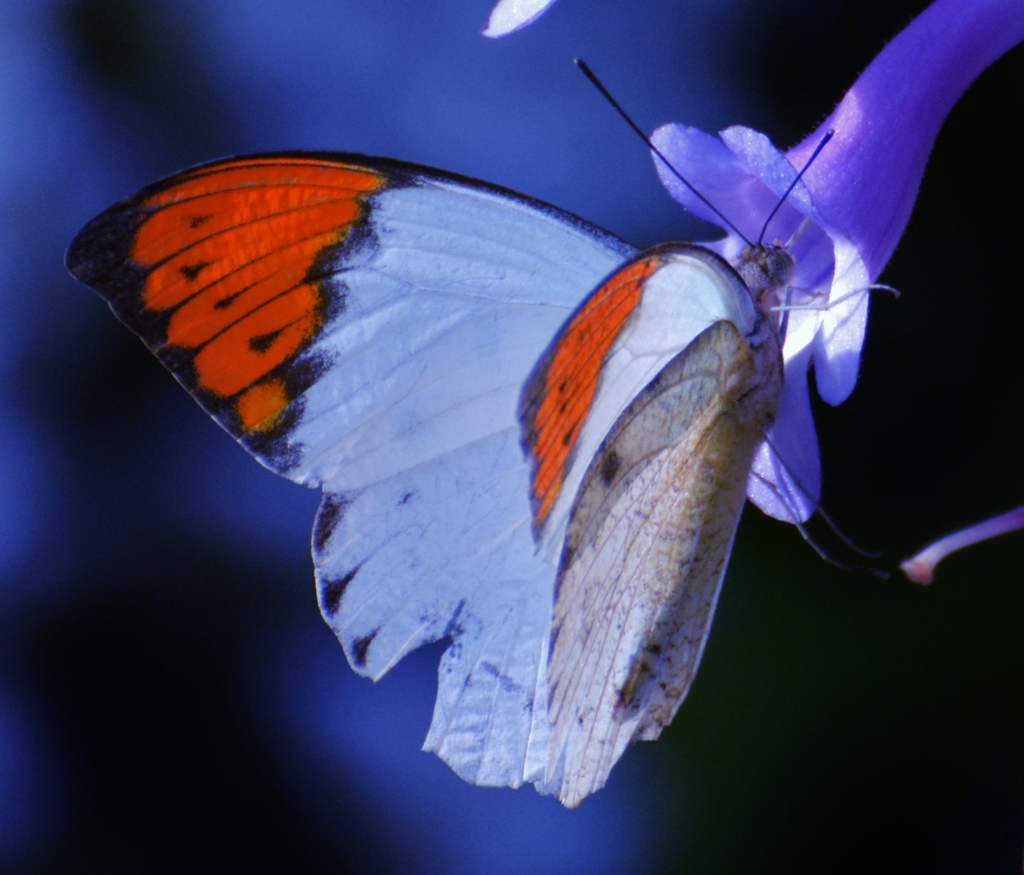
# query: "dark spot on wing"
{"type": "Point", "coordinates": [191, 271]}
{"type": "Point", "coordinates": [610, 463]}
{"type": "Point", "coordinates": [195, 221]}
{"type": "Point", "coordinates": [331, 511]}
{"type": "Point", "coordinates": [263, 342]}
{"type": "Point", "coordinates": [405, 499]}
{"type": "Point", "coordinates": [332, 590]}
{"type": "Point", "coordinates": [507, 684]}
{"type": "Point", "coordinates": [224, 303]}
{"type": "Point", "coordinates": [453, 624]}
{"type": "Point", "coordinates": [360, 647]}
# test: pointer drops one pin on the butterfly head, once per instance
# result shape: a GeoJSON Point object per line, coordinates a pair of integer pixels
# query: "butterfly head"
{"type": "Point", "coordinates": [766, 268]}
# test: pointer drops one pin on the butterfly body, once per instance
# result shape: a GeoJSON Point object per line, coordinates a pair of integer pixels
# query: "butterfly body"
{"type": "Point", "coordinates": [532, 439]}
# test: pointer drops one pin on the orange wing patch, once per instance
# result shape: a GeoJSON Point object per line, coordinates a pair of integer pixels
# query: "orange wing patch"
{"type": "Point", "coordinates": [262, 402]}
{"type": "Point", "coordinates": [558, 396]}
{"type": "Point", "coordinates": [220, 270]}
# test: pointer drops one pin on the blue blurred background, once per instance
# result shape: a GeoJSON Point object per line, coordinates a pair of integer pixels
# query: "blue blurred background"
{"type": "Point", "coordinates": [170, 698]}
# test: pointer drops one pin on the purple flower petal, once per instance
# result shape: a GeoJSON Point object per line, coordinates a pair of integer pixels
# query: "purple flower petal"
{"type": "Point", "coordinates": [866, 181]}
{"type": "Point", "coordinates": [744, 176]}
{"type": "Point", "coordinates": [786, 475]}
{"type": "Point", "coordinates": [844, 220]}
{"type": "Point", "coordinates": [718, 174]}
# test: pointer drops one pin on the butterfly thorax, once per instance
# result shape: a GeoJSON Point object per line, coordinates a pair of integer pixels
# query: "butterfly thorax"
{"type": "Point", "coordinates": [766, 269]}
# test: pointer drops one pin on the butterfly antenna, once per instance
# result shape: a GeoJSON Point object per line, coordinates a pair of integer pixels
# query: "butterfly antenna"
{"type": "Point", "coordinates": [868, 554]}
{"type": "Point", "coordinates": [829, 134]}
{"type": "Point", "coordinates": [647, 140]}
{"type": "Point", "coordinates": [814, 545]}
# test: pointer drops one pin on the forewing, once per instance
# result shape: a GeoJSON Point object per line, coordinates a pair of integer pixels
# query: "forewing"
{"type": "Point", "coordinates": [336, 313]}
{"type": "Point", "coordinates": [618, 340]}
{"type": "Point", "coordinates": [367, 325]}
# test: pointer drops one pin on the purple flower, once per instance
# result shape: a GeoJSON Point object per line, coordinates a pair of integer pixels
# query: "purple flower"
{"type": "Point", "coordinates": [510, 15]}
{"type": "Point", "coordinates": [844, 219]}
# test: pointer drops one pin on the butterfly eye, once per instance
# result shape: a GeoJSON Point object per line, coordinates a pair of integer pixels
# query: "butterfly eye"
{"type": "Point", "coordinates": [778, 265]}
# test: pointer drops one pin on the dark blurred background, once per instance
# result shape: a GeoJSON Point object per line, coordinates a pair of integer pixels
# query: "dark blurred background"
{"type": "Point", "coordinates": [170, 698]}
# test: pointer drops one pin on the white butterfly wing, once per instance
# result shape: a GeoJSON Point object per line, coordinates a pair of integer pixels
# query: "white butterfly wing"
{"type": "Point", "coordinates": [438, 522]}
{"type": "Point", "coordinates": [647, 547]}
{"type": "Point", "coordinates": [368, 325]}
{"type": "Point", "coordinates": [448, 307]}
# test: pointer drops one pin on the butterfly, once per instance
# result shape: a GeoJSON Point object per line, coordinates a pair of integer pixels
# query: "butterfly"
{"type": "Point", "coordinates": [532, 439]}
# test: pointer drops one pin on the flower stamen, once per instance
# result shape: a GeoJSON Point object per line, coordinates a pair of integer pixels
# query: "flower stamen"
{"type": "Point", "coordinates": [921, 568]}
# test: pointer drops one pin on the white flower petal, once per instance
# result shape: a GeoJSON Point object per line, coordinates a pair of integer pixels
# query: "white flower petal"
{"type": "Point", "coordinates": [510, 15]}
{"type": "Point", "coordinates": [838, 344]}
